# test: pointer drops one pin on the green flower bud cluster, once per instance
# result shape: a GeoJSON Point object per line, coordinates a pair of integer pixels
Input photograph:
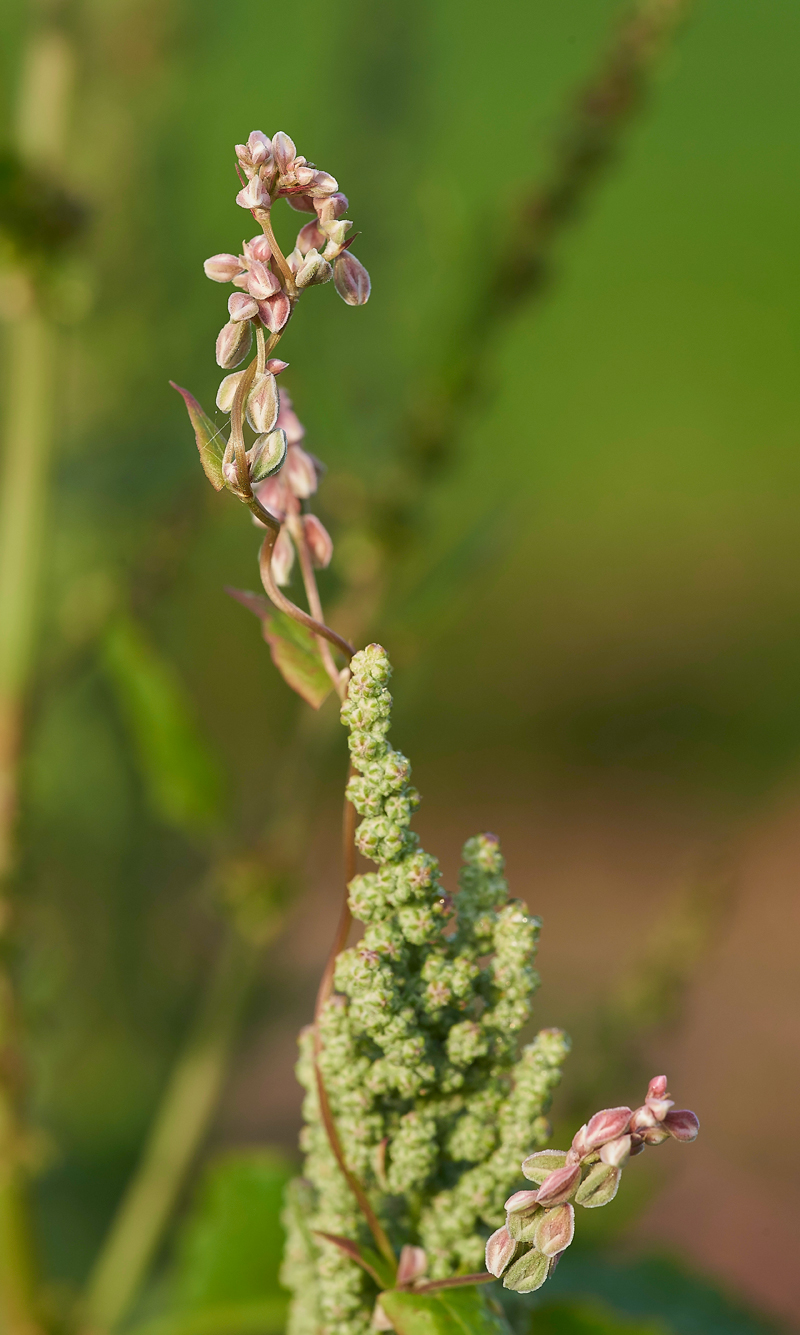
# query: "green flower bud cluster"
{"type": "Point", "coordinates": [434, 1103]}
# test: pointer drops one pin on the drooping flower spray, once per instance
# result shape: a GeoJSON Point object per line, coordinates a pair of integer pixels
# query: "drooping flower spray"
{"type": "Point", "coordinates": [424, 1111]}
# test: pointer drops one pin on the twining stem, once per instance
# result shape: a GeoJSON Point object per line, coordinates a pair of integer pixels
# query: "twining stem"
{"type": "Point", "coordinates": [295, 525]}
{"type": "Point", "coordinates": [183, 1117]}
{"type": "Point", "coordinates": [345, 917]}
{"type": "Point", "coordinates": [381, 1240]}
{"type": "Point", "coordinates": [275, 595]}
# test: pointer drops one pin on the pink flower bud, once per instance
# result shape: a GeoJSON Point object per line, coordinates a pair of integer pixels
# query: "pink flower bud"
{"type": "Point", "coordinates": [254, 196]}
{"type": "Point", "coordinates": [283, 151]}
{"type": "Point", "coordinates": [295, 260]}
{"type": "Point", "coordinates": [262, 283]}
{"type": "Point", "coordinates": [260, 147]}
{"type": "Point", "coordinates": [653, 1135]}
{"type": "Point", "coordinates": [331, 206]}
{"type": "Point", "coordinates": [275, 312]}
{"type": "Point", "coordinates": [309, 238]}
{"type": "Point", "coordinates": [559, 1185]}
{"type": "Point", "coordinates": [274, 497]}
{"type": "Point", "coordinates": [301, 475]}
{"type": "Point", "coordinates": [540, 1165]}
{"type": "Point", "coordinates": [555, 1230]}
{"type": "Point", "coordinates": [336, 231]}
{"type": "Point", "coordinates": [233, 343]}
{"type": "Point", "coordinates": [282, 557]}
{"type": "Point", "coordinates": [657, 1089]}
{"type": "Point", "coordinates": [500, 1250]}
{"type": "Point", "coordinates": [314, 271]}
{"type": "Point", "coordinates": [659, 1107]}
{"type": "Point", "coordinates": [522, 1202]}
{"type": "Point", "coordinates": [290, 422]}
{"type": "Point", "coordinates": [642, 1118]}
{"type": "Point", "coordinates": [241, 306]}
{"type": "Point", "coordinates": [616, 1152]}
{"type": "Point", "coordinates": [262, 403]}
{"type": "Point", "coordinates": [412, 1264]}
{"type": "Point", "coordinates": [682, 1124]}
{"type": "Point", "coordinates": [322, 185]}
{"type": "Point", "coordinates": [304, 175]}
{"type": "Point", "coordinates": [275, 365]}
{"type": "Point", "coordinates": [302, 203]}
{"type": "Point", "coordinates": [579, 1145]}
{"type": "Point", "coordinates": [606, 1125]}
{"type": "Point", "coordinates": [258, 249]}
{"type": "Point", "coordinates": [227, 391]}
{"type": "Point", "coordinates": [319, 541]}
{"type": "Point", "coordinates": [351, 280]}
{"type": "Point", "coordinates": [222, 268]}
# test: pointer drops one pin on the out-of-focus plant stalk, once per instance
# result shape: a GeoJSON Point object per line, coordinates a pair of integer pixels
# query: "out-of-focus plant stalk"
{"type": "Point", "coordinates": [187, 1107]}
{"type": "Point", "coordinates": [28, 432]}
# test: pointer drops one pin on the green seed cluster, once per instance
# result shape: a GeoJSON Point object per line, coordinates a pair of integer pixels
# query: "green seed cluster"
{"type": "Point", "coordinates": [434, 1103]}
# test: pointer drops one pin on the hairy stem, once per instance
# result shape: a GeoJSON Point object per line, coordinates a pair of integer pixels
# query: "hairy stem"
{"type": "Point", "coordinates": [180, 1125]}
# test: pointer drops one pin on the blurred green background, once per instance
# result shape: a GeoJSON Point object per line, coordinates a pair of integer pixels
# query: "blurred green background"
{"type": "Point", "coordinates": [595, 629]}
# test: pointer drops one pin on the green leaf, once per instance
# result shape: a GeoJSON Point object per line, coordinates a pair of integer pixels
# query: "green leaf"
{"type": "Point", "coordinates": [458, 1311]}
{"type": "Point", "coordinates": [231, 1246]}
{"type": "Point", "coordinates": [294, 649]}
{"type": "Point", "coordinates": [210, 440]}
{"type": "Point", "coordinates": [296, 655]}
{"type": "Point", "coordinates": [181, 775]}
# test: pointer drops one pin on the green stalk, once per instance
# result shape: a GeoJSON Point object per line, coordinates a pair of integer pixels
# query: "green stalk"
{"type": "Point", "coordinates": [24, 485]}
{"type": "Point", "coordinates": [28, 431]}
{"type": "Point", "coordinates": [180, 1125]}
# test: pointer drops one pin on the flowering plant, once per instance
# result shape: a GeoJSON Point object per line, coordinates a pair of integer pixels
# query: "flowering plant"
{"type": "Point", "coordinates": [423, 1113]}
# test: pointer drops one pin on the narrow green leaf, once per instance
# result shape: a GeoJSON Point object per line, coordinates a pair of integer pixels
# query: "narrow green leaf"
{"type": "Point", "coordinates": [182, 777]}
{"type": "Point", "coordinates": [210, 440]}
{"type": "Point", "coordinates": [459, 1311]}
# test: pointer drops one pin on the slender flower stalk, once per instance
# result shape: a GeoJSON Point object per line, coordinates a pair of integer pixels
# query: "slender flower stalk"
{"type": "Point", "coordinates": [422, 1110]}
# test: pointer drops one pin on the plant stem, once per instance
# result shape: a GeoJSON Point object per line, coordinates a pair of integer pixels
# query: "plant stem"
{"type": "Point", "coordinates": [41, 125]}
{"type": "Point", "coordinates": [22, 527]}
{"type": "Point", "coordinates": [280, 600]}
{"type": "Point", "coordinates": [181, 1122]}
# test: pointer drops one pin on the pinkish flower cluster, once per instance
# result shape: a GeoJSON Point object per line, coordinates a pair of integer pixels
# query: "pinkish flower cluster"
{"type": "Point", "coordinates": [540, 1224]}
{"type": "Point", "coordinates": [283, 495]}
{"type": "Point", "coordinates": [271, 283]}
